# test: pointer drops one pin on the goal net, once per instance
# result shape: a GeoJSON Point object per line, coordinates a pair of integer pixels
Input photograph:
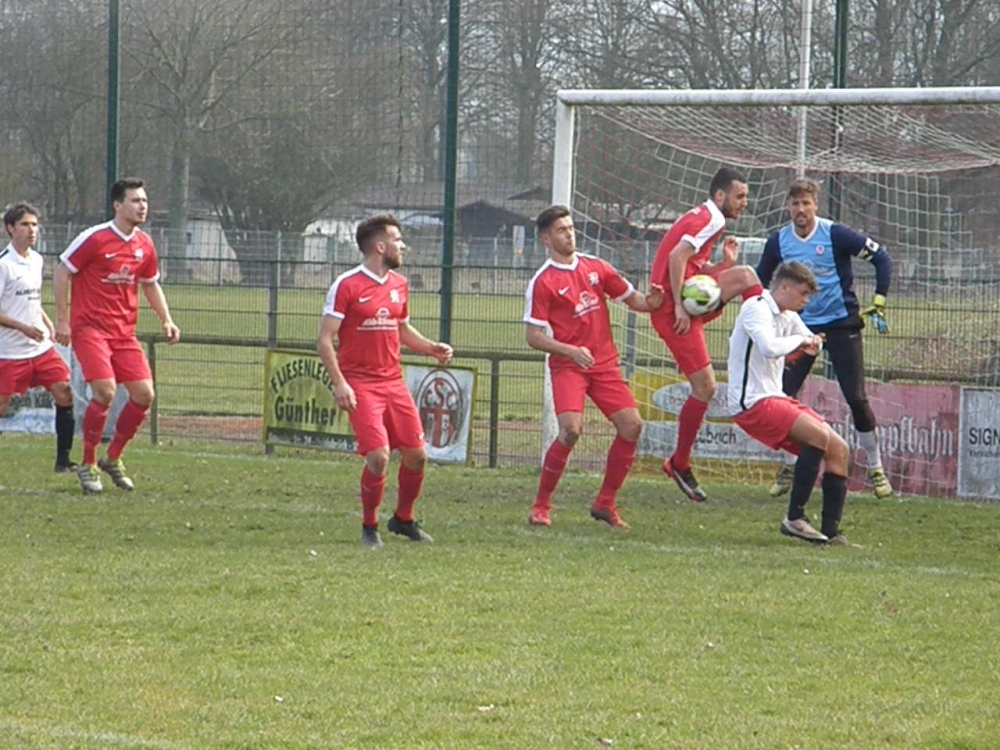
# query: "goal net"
{"type": "Point", "coordinates": [919, 170]}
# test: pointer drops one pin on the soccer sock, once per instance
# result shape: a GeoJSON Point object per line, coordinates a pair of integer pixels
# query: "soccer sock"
{"type": "Point", "coordinates": [688, 423]}
{"type": "Point", "coordinates": [552, 469]}
{"type": "Point", "coordinates": [129, 420]}
{"type": "Point", "coordinates": [372, 489]}
{"type": "Point", "coordinates": [94, 419]}
{"type": "Point", "coordinates": [65, 426]}
{"type": "Point", "coordinates": [834, 495]}
{"type": "Point", "coordinates": [869, 442]}
{"type": "Point", "coordinates": [752, 291]}
{"type": "Point", "coordinates": [806, 471]}
{"type": "Point", "coordinates": [620, 458]}
{"type": "Point", "coordinates": [409, 489]}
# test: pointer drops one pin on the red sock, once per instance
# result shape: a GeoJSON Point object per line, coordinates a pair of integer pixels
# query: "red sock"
{"type": "Point", "coordinates": [752, 291]}
{"type": "Point", "coordinates": [94, 419]}
{"type": "Point", "coordinates": [552, 469]}
{"type": "Point", "coordinates": [409, 489]}
{"type": "Point", "coordinates": [131, 417]}
{"type": "Point", "coordinates": [688, 423]}
{"type": "Point", "coordinates": [372, 489]}
{"type": "Point", "coordinates": [620, 458]}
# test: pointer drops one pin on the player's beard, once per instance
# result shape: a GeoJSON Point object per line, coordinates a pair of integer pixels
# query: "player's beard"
{"type": "Point", "coordinates": [392, 262]}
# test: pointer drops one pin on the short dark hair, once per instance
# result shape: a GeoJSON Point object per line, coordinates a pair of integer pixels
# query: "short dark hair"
{"type": "Point", "coordinates": [370, 229]}
{"type": "Point", "coordinates": [122, 186]}
{"type": "Point", "coordinates": [794, 272]}
{"type": "Point", "coordinates": [16, 211]}
{"type": "Point", "coordinates": [804, 186]}
{"type": "Point", "coordinates": [550, 216]}
{"type": "Point", "coordinates": [724, 179]}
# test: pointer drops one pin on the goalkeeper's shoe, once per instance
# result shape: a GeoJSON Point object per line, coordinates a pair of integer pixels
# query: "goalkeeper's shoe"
{"type": "Point", "coordinates": [115, 468]}
{"type": "Point", "coordinates": [880, 482]}
{"type": "Point", "coordinates": [782, 482]}
{"type": "Point", "coordinates": [800, 528]}
{"type": "Point", "coordinates": [90, 479]}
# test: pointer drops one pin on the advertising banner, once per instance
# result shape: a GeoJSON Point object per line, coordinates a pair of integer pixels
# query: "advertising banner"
{"type": "Point", "coordinates": [444, 401]}
{"type": "Point", "coordinates": [979, 444]}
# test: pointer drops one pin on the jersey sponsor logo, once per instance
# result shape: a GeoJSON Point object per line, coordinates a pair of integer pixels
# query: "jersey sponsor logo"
{"type": "Point", "coordinates": [563, 290]}
{"type": "Point", "coordinates": [362, 300]}
{"type": "Point", "coordinates": [587, 304]}
{"type": "Point", "coordinates": [441, 407]}
{"type": "Point", "coordinates": [381, 321]}
{"type": "Point", "coordinates": [593, 278]}
{"type": "Point", "coordinates": [124, 276]}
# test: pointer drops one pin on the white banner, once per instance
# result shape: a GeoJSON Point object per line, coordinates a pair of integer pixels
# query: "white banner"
{"type": "Point", "coordinates": [979, 443]}
{"type": "Point", "coordinates": [444, 401]}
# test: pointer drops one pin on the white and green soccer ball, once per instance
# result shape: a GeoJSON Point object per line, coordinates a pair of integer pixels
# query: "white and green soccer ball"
{"type": "Point", "coordinates": [701, 294]}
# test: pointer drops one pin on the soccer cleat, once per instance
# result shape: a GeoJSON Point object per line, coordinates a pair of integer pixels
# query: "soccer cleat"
{"type": "Point", "coordinates": [685, 481]}
{"type": "Point", "coordinates": [64, 466]}
{"type": "Point", "coordinates": [782, 482]}
{"type": "Point", "coordinates": [880, 482]}
{"type": "Point", "coordinates": [609, 516]}
{"type": "Point", "coordinates": [410, 529]}
{"type": "Point", "coordinates": [539, 517]}
{"type": "Point", "coordinates": [839, 540]}
{"type": "Point", "coordinates": [90, 479]}
{"type": "Point", "coordinates": [115, 469]}
{"type": "Point", "coordinates": [800, 529]}
{"type": "Point", "coordinates": [370, 537]}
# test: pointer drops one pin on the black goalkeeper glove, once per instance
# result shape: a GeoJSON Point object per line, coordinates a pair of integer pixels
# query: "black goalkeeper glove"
{"type": "Point", "coordinates": [876, 314]}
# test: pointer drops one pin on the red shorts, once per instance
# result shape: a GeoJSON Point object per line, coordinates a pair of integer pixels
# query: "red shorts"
{"type": "Point", "coordinates": [385, 416]}
{"type": "Point", "coordinates": [103, 358]}
{"type": "Point", "coordinates": [770, 421]}
{"type": "Point", "coordinates": [606, 388]}
{"type": "Point", "coordinates": [689, 350]}
{"type": "Point", "coordinates": [45, 370]}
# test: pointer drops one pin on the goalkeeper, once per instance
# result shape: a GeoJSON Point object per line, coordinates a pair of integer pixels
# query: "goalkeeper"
{"type": "Point", "coordinates": [827, 248]}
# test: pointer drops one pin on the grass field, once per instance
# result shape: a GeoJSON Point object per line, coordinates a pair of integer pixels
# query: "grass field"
{"type": "Point", "coordinates": [227, 604]}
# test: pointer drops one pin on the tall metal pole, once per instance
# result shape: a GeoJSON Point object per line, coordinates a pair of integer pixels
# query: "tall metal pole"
{"type": "Point", "coordinates": [114, 92]}
{"type": "Point", "coordinates": [839, 82]}
{"type": "Point", "coordinates": [450, 172]}
{"type": "Point", "coordinates": [805, 55]}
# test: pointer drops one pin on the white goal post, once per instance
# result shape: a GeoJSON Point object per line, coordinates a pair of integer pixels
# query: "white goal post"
{"type": "Point", "coordinates": [917, 168]}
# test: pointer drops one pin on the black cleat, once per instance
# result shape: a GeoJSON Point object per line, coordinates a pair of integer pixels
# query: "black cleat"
{"type": "Point", "coordinates": [65, 466]}
{"type": "Point", "coordinates": [410, 529]}
{"type": "Point", "coordinates": [685, 481]}
{"type": "Point", "coordinates": [370, 537]}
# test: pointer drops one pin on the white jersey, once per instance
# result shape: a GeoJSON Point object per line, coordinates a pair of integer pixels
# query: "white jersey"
{"type": "Point", "coordinates": [761, 338]}
{"type": "Point", "coordinates": [21, 299]}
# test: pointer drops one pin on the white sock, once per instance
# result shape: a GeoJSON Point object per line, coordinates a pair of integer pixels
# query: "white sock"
{"type": "Point", "coordinates": [869, 442]}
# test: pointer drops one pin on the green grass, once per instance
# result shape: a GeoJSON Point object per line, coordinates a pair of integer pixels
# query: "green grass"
{"type": "Point", "coordinates": [227, 604]}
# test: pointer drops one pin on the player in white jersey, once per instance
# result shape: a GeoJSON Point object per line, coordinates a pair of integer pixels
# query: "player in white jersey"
{"type": "Point", "coordinates": [27, 357]}
{"type": "Point", "coordinates": [767, 330]}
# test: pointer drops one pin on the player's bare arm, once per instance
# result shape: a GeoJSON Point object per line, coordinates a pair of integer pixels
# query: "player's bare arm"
{"type": "Point", "coordinates": [157, 301]}
{"type": "Point", "coordinates": [343, 394]}
{"type": "Point", "coordinates": [412, 339]}
{"type": "Point", "coordinates": [678, 261]}
{"type": "Point", "coordinates": [648, 302]}
{"type": "Point", "coordinates": [32, 332]}
{"type": "Point", "coordinates": [537, 338]}
{"type": "Point", "coordinates": [60, 288]}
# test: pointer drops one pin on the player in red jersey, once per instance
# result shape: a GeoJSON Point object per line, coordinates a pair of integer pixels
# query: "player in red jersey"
{"type": "Point", "coordinates": [567, 294]}
{"type": "Point", "coordinates": [684, 252]}
{"type": "Point", "coordinates": [367, 310]}
{"type": "Point", "coordinates": [27, 357]}
{"type": "Point", "coordinates": [104, 267]}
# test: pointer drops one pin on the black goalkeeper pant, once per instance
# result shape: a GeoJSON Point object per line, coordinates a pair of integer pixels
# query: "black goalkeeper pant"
{"type": "Point", "coordinates": [843, 347]}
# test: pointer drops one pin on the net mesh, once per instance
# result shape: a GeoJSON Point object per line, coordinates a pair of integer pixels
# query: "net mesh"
{"type": "Point", "coordinates": [920, 179]}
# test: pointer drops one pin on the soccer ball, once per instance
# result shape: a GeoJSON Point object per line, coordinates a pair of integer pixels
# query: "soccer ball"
{"type": "Point", "coordinates": [701, 294]}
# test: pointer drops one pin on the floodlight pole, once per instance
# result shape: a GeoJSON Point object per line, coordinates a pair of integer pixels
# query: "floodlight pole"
{"type": "Point", "coordinates": [114, 93]}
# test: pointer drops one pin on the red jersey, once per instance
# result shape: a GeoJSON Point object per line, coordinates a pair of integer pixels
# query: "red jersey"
{"type": "Point", "coordinates": [570, 298]}
{"type": "Point", "coordinates": [370, 311]}
{"type": "Point", "coordinates": [107, 267]}
{"type": "Point", "coordinates": [701, 227]}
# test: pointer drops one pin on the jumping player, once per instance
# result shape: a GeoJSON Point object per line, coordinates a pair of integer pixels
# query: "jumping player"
{"type": "Point", "coordinates": [684, 252]}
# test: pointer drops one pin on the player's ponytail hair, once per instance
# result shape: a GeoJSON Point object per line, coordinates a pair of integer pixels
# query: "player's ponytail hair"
{"type": "Point", "coordinates": [795, 273]}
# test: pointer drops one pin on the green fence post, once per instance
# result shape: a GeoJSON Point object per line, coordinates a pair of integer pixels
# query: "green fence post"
{"type": "Point", "coordinates": [154, 416]}
{"type": "Point", "coordinates": [494, 409]}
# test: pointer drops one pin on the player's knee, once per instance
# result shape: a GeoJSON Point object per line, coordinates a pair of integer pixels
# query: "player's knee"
{"type": "Point", "coordinates": [377, 461]}
{"type": "Point", "coordinates": [704, 391]}
{"type": "Point", "coordinates": [62, 394]}
{"type": "Point", "coordinates": [837, 450]}
{"type": "Point", "coordinates": [414, 460]}
{"type": "Point", "coordinates": [630, 429]}
{"type": "Point", "coordinates": [103, 394]}
{"type": "Point", "coordinates": [748, 277]}
{"type": "Point", "coordinates": [569, 434]}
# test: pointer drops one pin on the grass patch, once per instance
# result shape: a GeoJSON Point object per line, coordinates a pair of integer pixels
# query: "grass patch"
{"type": "Point", "coordinates": [227, 604]}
